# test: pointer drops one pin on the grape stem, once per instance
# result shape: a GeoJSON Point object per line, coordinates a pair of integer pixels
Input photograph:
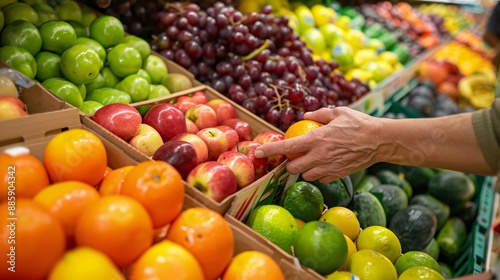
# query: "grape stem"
{"type": "Point", "coordinates": [257, 51]}
{"type": "Point", "coordinates": [278, 97]}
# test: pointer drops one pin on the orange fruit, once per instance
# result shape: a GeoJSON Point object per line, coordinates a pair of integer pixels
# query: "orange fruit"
{"type": "Point", "coordinates": [297, 129]}
{"type": "Point", "coordinates": [66, 201]}
{"type": "Point", "coordinates": [35, 241]}
{"type": "Point", "coordinates": [23, 174]}
{"type": "Point", "coordinates": [108, 170]}
{"type": "Point", "coordinates": [158, 186]}
{"type": "Point", "coordinates": [116, 225]}
{"type": "Point", "coordinates": [207, 235]}
{"type": "Point", "coordinates": [164, 260]}
{"type": "Point", "coordinates": [253, 265]}
{"type": "Point", "coordinates": [113, 181]}
{"type": "Point", "coordinates": [75, 154]}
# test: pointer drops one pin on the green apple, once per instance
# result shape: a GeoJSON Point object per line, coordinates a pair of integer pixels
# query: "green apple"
{"type": "Point", "coordinates": [66, 90]}
{"type": "Point", "coordinates": [79, 28]}
{"type": "Point", "coordinates": [156, 68]}
{"type": "Point", "coordinates": [69, 10]}
{"type": "Point", "coordinates": [343, 54]}
{"type": "Point", "coordinates": [144, 74]}
{"type": "Point", "coordinates": [18, 10]}
{"type": "Point", "coordinates": [23, 34]}
{"type": "Point", "coordinates": [88, 16]}
{"type": "Point", "coordinates": [45, 12]}
{"type": "Point", "coordinates": [139, 44]}
{"type": "Point", "coordinates": [97, 83]}
{"type": "Point", "coordinates": [48, 66]}
{"type": "Point", "coordinates": [19, 59]}
{"type": "Point", "coordinates": [4, 3]}
{"type": "Point", "coordinates": [124, 60]}
{"type": "Point", "coordinates": [314, 40]}
{"type": "Point", "coordinates": [80, 64]}
{"type": "Point", "coordinates": [332, 33]}
{"type": "Point", "coordinates": [107, 30]}
{"type": "Point", "coordinates": [136, 86]}
{"type": "Point", "coordinates": [156, 91]}
{"type": "Point", "coordinates": [57, 36]}
{"type": "Point", "coordinates": [110, 79]}
{"type": "Point", "coordinates": [96, 46]}
{"type": "Point", "coordinates": [89, 107]}
{"type": "Point", "coordinates": [83, 90]}
{"type": "Point", "coordinates": [107, 96]}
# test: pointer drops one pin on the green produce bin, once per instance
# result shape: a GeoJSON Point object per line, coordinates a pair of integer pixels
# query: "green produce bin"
{"type": "Point", "coordinates": [475, 255]}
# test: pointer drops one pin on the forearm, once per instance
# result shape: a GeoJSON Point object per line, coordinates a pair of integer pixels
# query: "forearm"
{"type": "Point", "coordinates": [446, 142]}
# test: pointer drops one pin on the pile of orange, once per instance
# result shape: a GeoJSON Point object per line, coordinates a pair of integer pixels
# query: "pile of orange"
{"type": "Point", "coordinates": [76, 218]}
{"type": "Point", "coordinates": [298, 129]}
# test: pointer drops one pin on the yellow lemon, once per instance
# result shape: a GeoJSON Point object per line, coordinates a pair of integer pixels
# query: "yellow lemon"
{"type": "Point", "coordinates": [380, 239]}
{"type": "Point", "coordinates": [369, 264]}
{"type": "Point", "coordinates": [344, 219]}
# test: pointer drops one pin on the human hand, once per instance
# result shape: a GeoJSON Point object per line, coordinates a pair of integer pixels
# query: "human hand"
{"type": "Point", "coordinates": [345, 144]}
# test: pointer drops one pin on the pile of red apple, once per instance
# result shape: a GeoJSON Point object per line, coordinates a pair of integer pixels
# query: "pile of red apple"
{"type": "Point", "coordinates": [203, 139]}
{"type": "Point", "coordinates": [444, 74]}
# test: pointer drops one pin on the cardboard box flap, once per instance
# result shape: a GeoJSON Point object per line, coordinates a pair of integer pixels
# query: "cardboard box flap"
{"type": "Point", "coordinates": [35, 126]}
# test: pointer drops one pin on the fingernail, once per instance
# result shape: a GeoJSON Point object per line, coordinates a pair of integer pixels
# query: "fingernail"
{"type": "Point", "coordinates": [259, 153]}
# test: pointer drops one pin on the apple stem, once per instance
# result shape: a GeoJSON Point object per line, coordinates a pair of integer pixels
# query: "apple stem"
{"type": "Point", "coordinates": [257, 51]}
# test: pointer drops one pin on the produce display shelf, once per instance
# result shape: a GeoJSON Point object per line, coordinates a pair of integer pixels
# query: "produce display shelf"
{"type": "Point", "coordinates": [476, 255]}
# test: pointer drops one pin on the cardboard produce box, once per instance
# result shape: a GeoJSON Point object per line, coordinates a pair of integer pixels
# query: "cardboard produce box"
{"type": "Point", "coordinates": [240, 202]}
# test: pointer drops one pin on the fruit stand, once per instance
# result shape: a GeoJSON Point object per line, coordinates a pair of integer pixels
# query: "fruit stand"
{"type": "Point", "coordinates": [130, 130]}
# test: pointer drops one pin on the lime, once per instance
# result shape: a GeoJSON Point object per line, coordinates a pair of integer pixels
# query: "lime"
{"type": "Point", "coordinates": [45, 13]}
{"type": "Point", "coordinates": [156, 68]}
{"type": "Point", "coordinates": [97, 47]}
{"type": "Point", "coordinates": [351, 249]}
{"type": "Point", "coordinates": [380, 239]}
{"type": "Point", "coordinates": [69, 10]}
{"type": "Point", "coordinates": [344, 219]}
{"type": "Point", "coordinates": [416, 258]}
{"type": "Point", "coordinates": [156, 91]}
{"type": "Point", "coordinates": [320, 246]}
{"type": "Point", "coordinates": [79, 28]}
{"type": "Point", "coordinates": [80, 64]}
{"type": "Point", "coordinates": [19, 59]}
{"type": "Point", "coordinates": [369, 264]}
{"type": "Point", "coordinates": [97, 83]}
{"type": "Point", "coordinates": [142, 73]}
{"type": "Point", "coordinates": [124, 60]}
{"type": "Point", "coordinates": [420, 272]}
{"type": "Point", "coordinates": [110, 79]}
{"type": "Point", "coordinates": [89, 107]}
{"type": "Point", "coordinates": [48, 66]}
{"type": "Point", "coordinates": [17, 10]}
{"type": "Point", "coordinates": [66, 90]}
{"type": "Point", "coordinates": [274, 223]}
{"type": "Point", "coordinates": [446, 270]}
{"type": "Point", "coordinates": [432, 249]}
{"type": "Point", "coordinates": [57, 36]}
{"type": "Point", "coordinates": [107, 30]}
{"type": "Point", "coordinates": [23, 34]}
{"type": "Point", "coordinates": [304, 201]}
{"type": "Point", "coordinates": [136, 86]}
{"type": "Point", "coordinates": [342, 275]}
{"type": "Point", "coordinates": [139, 44]}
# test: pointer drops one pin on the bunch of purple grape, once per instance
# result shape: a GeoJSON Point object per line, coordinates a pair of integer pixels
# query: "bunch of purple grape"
{"type": "Point", "coordinates": [255, 59]}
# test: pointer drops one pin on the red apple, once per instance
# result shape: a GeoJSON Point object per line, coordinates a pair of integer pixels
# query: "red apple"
{"type": "Point", "coordinates": [231, 134]}
{"type": "Point", "coordinates": [448, 88]}
{"type": "Point", "coordinates": [199, 97]}
{"type": "Point", "coordinates": [191, 127]}
{"type": "Point", "coordinates": [243, 128]}
{"type": "Point", "coordinates": [183, 98]}
{"type": "Point", "coordinates": [147, 140]}
{"type": "Point", "coordinates": [122, 120]}
{"type": "Point", "coordinates": [216, 142]}
{"type": "Point", "coordinates": [223, 109]}
{"type": "Point", "coordinates": [167, 119]}
{"type": "Point", "coordinates": [271, 136]}
{"type": "Point", "coordinates": [180, 154]}
{"type": "Point", "coordinates": [248, 148]}
{"type": "Point", "coordinates": [433, 71]}
{"type": "Point", "coordinates": [11, 107]}
{"type": "Point", "coordinates": [184, 106]}
{"type": "Point", "coordinates": [197, 142]}
{"type": "Point", "coordinates": [241, 166]}
{"type": "Point", "coordinates": [214, 179]}
{"type": "Point", "coordinates": [202, 115]}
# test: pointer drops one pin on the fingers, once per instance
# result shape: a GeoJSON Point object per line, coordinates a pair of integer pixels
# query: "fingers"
{"type": "Point", "coordinates": [289, 146]}
{"type": "Point", "coordinates": [323, 115]}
